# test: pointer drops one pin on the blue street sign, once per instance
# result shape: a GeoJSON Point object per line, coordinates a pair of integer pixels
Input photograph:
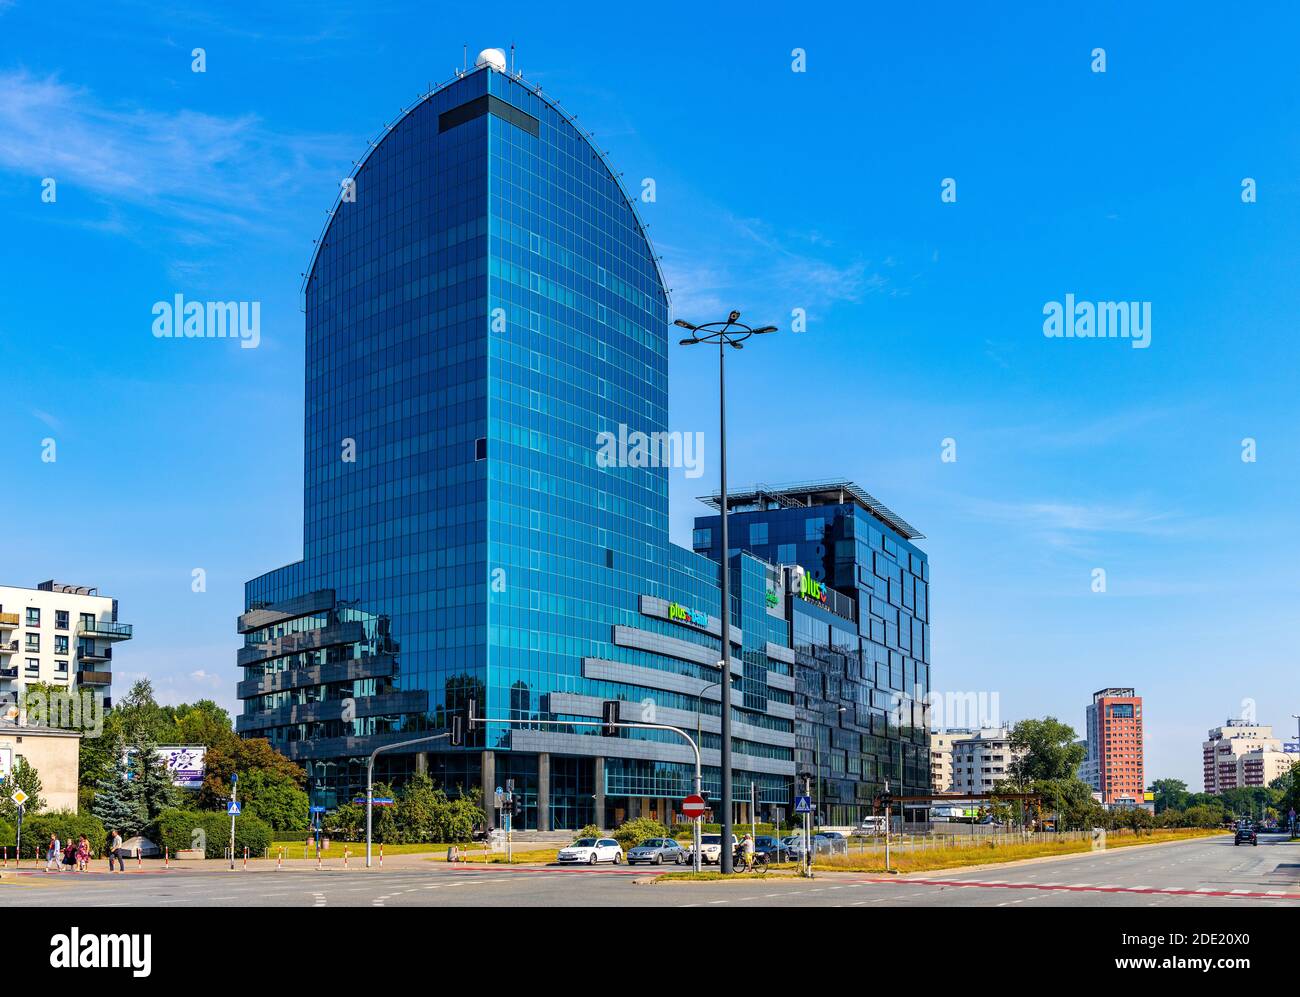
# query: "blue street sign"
{"type": "Point", "coordinates": [803, 805]}
{"type": "Point", "coordinates": [317, 810]}
{"type": "Point", "coordinates": [380, 801]}
{"type": "Point", "coordinates": [232, 808]}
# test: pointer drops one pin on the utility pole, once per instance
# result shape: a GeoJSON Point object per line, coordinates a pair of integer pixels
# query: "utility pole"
{"type": "Point", "coordinates": [234, 798]}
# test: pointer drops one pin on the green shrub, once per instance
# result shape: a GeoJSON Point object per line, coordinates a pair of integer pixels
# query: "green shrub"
{"type": "Point", "coordinates": [65, 824]}
{"type": "Point", "coordinates": [6, 835]}
{"type": "Point", "coordinates": [636, 830]}
{"type": "Point", "coordinates": [590, 831]}
{"type": "Point", "coordinates": [174, 830]}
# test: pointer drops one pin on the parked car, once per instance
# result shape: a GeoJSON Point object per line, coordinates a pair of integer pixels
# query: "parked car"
{"type": "Point", "coordinates": [657, 851]}
{"type": "Point", "coordinates": [591, 851]}
{"type": "Point", "coordinates": [821, 845]}
{"type": "Point", "coordinates": [711, 849]}
{"type": "Point", "coordinates": [836, 843]}
{"type": "Point", "coordinates": [1246, 833]}
{"type": "Point", "coordinates": [874, 825]}
{"type": "Point", "coordinates": [766, 844]}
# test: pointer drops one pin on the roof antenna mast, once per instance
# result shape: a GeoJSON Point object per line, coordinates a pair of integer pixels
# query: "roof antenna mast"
{"type": "Point", "coordinates": [512, 59]}
{"type": "Point", "coordinates": [464, 59]}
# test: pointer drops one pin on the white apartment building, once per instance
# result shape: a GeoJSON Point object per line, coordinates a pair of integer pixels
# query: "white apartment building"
{"type": "Point", "coordinates": [981, 760]}
{"type": "Point", "coordinates": [1241, 753]}
{"type": "Point", "coordinates": [59, 634]}
{"type": "Point", "coordinates": [941, 743]}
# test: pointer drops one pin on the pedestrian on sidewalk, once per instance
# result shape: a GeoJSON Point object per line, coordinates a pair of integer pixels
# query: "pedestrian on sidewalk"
{"type": "Point", "coordinates": [70, 855]}
{"type": "Point", "coordinates": [83, 853]}
{"type": "Point", "coordinates": [53, 852]}
{"type": "Point", "coordinates": [115, 851]}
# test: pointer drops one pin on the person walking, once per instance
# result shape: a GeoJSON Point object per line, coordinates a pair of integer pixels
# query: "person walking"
{"type": "Point", "coordinates": [83, 853]}
{"type": "Point", "coordinates": [53, 853]}
{"type": "Point", "coordinates": [70, 854]}
{"type": "Point", "coordinates": [115, 851]}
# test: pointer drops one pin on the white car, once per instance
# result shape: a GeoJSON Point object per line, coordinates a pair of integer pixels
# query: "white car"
{"type": "Point", "coordinates": [711, 849]}
{"type": "Point", "coordinates": [592, 850]}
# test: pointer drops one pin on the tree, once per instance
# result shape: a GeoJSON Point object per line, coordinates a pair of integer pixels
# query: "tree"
{"type": "Point", "coordinates": [141, 716]}
{"type": "Point", "coordinates": [275, 799]}
{"type": "Point", "coordinates": [116, 805]}
{"type": "Point", "coordinates": [150, 788]}
{"type": "Point", "coordinates": [21, 776]}
{"type": "Point", "coordinates": [1170, 794]}
{"type": "Point", "coordinates": [1049, 750]}
{"type": "Point", "coordinates": [242, 756]}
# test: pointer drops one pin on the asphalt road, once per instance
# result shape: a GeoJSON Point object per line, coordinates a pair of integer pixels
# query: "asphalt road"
{"type": "Point", "coordinates": [1210, 872]}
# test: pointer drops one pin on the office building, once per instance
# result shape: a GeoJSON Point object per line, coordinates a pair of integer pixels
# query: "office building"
{"type": "Point", "coordinates": [1242, 753]}
{"type": "Point", "coordinates": [60, 635]}
{"type": "Point", "coordinates": [941, 743]}
{"type": "Point", "coordinates": [855, 588]}
{"type": "Point", "coordinates": [983, 760]}
{"type": "Point", "coordinates": [483, 305]}
{"type": "Point", "coordinates": [1114, 762]}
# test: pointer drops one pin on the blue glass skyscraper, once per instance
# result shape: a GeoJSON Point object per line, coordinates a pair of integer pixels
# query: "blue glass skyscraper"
{"type": "Point", "coordinates": [483, 305]}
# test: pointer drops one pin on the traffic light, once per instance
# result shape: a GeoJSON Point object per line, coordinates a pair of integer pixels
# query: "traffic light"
{"type": "Point", "coordinates": [457, 731]}
{"type": "Point", "coordinates": [517, 804]}
{"type": "Point", "coordinates": [472, 721]}
{"type": "Point", "coordinates": [609, 714]}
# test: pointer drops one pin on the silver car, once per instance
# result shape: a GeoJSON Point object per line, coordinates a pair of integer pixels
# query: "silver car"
{"type": "Point", "coordinates": [657, 851]}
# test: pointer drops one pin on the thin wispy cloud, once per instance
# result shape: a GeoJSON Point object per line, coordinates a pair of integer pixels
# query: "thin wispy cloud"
{"type": "Point", "coordinates": [1082, 527]}
{"type": "Point", "coordinates": [219, 173]}
{"type": "Point", "coordinates": [734, 258]}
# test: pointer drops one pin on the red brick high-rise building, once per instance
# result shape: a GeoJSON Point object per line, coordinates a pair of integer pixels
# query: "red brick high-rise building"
{"type": "Point", "coordinates": [1115, 746]}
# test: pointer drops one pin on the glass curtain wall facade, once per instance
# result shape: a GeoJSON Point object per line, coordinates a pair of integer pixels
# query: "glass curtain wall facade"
{"type": "Point", "coordinates": [857, 590]}
{"type": "Point", "coordinates": [483, 306]}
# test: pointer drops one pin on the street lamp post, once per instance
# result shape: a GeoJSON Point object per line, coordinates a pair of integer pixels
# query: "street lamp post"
{"type": "Point", "coordinates": [733, 333]}
{"type": "Point", "coordinates": [370, 778]}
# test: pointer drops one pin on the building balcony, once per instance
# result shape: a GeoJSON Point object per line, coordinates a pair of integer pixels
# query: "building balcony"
{"type": "Point", "coordinates": [88, 677]}
{"type": "Point", "coordinates": [95, 654]}
{"type": "Point", "coordinates": [9, 673]}
{"type": "Point", "coordinates": [105, 630]}
{"type": "Point", "coordinates": [8, 621]}
{"type": "Point", "coordinates": [9, 647]}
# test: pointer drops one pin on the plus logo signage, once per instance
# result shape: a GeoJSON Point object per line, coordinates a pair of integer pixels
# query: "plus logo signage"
{"type": "Point", "coordinates": [692, 617]}
{"type": "Point", "coordinates": [807, 587]}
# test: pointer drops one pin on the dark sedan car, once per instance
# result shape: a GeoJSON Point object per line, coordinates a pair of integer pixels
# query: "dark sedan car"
{"type": "Point", "coordinates": [1246, 833]}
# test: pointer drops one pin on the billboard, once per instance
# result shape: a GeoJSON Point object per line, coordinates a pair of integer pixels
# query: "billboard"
{"type": "Point", "coordinates": [185, 762]}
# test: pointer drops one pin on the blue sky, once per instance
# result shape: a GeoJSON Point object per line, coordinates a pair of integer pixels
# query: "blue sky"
{"type": "Point", "coordinates": [775, 190]}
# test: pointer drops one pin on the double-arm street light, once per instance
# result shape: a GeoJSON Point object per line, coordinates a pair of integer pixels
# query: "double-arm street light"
{"type": "Point", "coordinates": [731, 332]}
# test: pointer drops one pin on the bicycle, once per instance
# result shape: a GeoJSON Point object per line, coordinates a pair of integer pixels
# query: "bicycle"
{"type": "Point", "coordinates": [757, 863]}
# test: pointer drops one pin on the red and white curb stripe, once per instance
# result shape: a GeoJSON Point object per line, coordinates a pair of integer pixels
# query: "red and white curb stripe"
{"type": "Point", "coordinates": [1089, 888]}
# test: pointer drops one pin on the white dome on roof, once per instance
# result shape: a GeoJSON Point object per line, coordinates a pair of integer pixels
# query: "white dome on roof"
{"type": "Point", "coordinates": [493, 57]}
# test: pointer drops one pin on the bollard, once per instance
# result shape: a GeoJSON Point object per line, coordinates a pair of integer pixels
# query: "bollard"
{"type": "Point", "coordinates": [279, 857]}
{"type": "Point", "coordinates": [245, 858]}
{"type": "Point", "coordinates": [167, 857]}
{"type": "Point", "coordinates": [381, 855]}
{"type": "Point", "coordinates": [6, 857]}
{"type": "Point", "coordinates": [345, 856]}
{"type": "Point", "coordinates": [139, 860]}
{"type": "Point", "coordinates": [318, 860]}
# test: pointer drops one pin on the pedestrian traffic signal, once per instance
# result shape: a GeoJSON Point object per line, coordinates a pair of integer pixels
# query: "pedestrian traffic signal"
{"type": "Point", "coordinates": [457, 731]}
{"type": "Point", "coordinates": [610, 714]}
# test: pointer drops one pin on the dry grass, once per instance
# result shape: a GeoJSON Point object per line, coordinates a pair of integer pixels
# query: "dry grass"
{"type": "Point", "coordinates": [924, 860]}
